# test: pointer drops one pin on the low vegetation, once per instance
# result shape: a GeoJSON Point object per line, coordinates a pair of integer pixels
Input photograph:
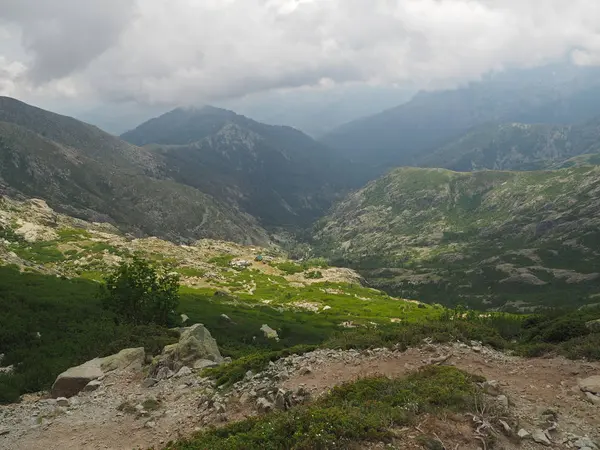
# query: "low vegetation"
{"type": "Point", "coordinates": [366, 410]}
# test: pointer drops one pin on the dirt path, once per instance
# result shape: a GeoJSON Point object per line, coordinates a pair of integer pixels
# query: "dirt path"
{"type": "Point", "coordinates": [93, 421]}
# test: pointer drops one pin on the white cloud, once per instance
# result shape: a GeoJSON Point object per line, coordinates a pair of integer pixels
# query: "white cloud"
{"type": "Point", "coordinates": [193, 51]}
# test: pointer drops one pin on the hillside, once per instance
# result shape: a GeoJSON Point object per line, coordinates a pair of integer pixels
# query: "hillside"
{"type": "Point", "coordinates": [516, 146]}
{"type": "Point", "coordinates": [275, 173]}
{"type": "Point", "coordinates": [507, 240]}
{"type": "Point", "coordinates": [87, 173]}
{"type": "Point", "coordinates": [554, 95]}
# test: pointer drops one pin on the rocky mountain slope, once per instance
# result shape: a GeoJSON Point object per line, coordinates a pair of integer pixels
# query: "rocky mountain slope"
{"type": "Point", "coordinates": [553, 94]}
{"type": "Point", "coordinates": [275, 173]}
{"type": "Point", "coordinates": [516, 146]}
{"type": "Point", "coordinates": [87, 173]}
{"type": "Point", "coordinates": [488, 239]}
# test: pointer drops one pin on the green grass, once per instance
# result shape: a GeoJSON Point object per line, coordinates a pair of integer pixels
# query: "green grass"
{"type": "Point", "coordinates": [222, 260]}
{"type": "Point", "coordinates": [72, 327]}
{"type": "Point", "coordinates": [365, 410]}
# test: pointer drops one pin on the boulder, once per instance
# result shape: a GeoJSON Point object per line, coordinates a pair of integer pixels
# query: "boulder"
{"type": "Point", "coordinates": [128, 359]}
{"type": "Point", "coordinates": [73, 380]}
{"type": "Point", "coordinates": [263, 405]}
{"type": "Point", "coordinates": [591, 384]}
{"type": "Point", "coordinates": [540, 437]}
{"type": "Point", "coordinates": [592, 398]}
{"type": "Point", "coordinates": [92, 386]}
{"type": "Point", "coordinates": [269, 332]}
{"type": "Point", "coordinates": [195, 344]}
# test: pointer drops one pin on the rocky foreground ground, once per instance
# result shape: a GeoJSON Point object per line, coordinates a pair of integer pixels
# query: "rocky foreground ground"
{"type": "Point", "coordinates": [550, 402]}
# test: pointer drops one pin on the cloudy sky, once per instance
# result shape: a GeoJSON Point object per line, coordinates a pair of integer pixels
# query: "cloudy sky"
{"type": "Point", "coordinates": [118, 60]}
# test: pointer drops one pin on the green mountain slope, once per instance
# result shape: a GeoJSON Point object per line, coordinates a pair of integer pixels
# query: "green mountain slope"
{"type": "Point", "coordinates": [516, 146]}
{"type": "Point", "coordinates": [275, 173]}
{"type": "Point", "coordinates": [495, 239]}
{"type": "Point", "coordinates": [81, 170]}
{"type": "Point", "coordinates": [554, 94]}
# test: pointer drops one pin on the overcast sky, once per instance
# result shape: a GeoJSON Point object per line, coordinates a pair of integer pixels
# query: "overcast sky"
{"type": "Point", "coordinates": [130, 58]}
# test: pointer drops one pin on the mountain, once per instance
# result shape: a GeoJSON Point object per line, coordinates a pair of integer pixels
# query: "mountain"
{"type": "Point", "coordinates": [516, 146]}
{"type": "Point", "coordinates": [275, 173]}
{"type": "Point", "coordinates": [489, 239]}
{"type": "Point", "coordinates": [90, 174]}
{"type": "Point", "coordinates": [558, 94]}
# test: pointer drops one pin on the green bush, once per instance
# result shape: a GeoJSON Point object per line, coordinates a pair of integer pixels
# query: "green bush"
{"type": "Point", "coordinates": [141, 294]}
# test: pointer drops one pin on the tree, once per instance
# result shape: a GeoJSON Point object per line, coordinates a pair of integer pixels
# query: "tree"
{"type": "Point", "coordinates": [141, 294]}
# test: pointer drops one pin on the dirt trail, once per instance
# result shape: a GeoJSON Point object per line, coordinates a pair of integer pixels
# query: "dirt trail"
{"type": "Point", "coordinates": [532, 386]}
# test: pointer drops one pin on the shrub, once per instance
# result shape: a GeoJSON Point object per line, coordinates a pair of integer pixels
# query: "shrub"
{"type": "Point", "coordinates": [141, 294]}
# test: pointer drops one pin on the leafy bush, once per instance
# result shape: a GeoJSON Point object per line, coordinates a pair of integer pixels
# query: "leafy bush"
{"type": "Point", "coordinates": [289, 268]}
{"type": "Point", "coordinates": [141, 294]}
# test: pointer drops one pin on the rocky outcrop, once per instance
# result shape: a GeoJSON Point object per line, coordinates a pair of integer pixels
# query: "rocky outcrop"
{"type": "Point", "coordinates": [75, 379]}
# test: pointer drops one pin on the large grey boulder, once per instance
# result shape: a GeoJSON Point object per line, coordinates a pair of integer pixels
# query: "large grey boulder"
{"type": "Point", "coordinates": [195, 344]}
{"type": "Point", "coordinates": [74, 380]}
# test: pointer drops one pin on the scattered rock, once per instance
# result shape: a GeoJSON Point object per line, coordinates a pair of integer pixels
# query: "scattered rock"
{"type": "Point", "coordinates": [205, 363]}
{"type": "Point", "coordinates": [540, 437]}
{"type": "Point", "coordinates": [269, 332]}
{"type": "Point", "coordinates": [164, 373]}
{"type": "Point", "coordinates": [524, 434]}
{"type": "Point", "coordinates": [264, 405]}
{"type": "Point", "coordinates": [306, 370]}
{"type": "Point", "coordinates": [226, 317]}
{"type": "Point", "coordinates": [62, 401]}
{"type": "Point", "coordinates": [503, 400]}
{"type": "Point", "coordinates": [491, 388]}
{"type": "Point", "coordinates": [593, 398]}
{"type": "Point", "coordinates": [149, 382]}
{"type": "Point", "coordinates": [184, 372]}
{"type": "Point", "coordinates": [150, 424]}
{"type": "Point", "coordinates": [583, 443]}
{"type": "Point", "coordinates": [92, 386]}
{"type": "Point", "coordinates": [184, 318]}
{"type": "Point", "coordinates": [591, 384]}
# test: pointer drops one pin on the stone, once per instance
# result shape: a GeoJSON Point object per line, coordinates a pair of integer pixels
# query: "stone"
{"type": "Point", "coordinates": [591, 384]}
{"type": "Point", "coordinates": [264, 405]}
{"type": "Point", "coordinates": [149, 382]}
{"type": "Point", "coordinates": [219, 407]}
{"type": "Point", "coordinates": [503, 400]}
{"type": "Point", "coordinates": [62, 401]}
{"type": "Point", "coordinates": [204, 364]}
{"type": "Point", "coordinates": [592, 398]}
{"type": "Point", "coordinates": [226, 318]}
{"type": "Point", "coordinates": [195, 343]}
{"type": "Point", "coordinates": [306, 370]}
{"type": "Point", "coordinates": [269, 332]}
{"type": "Point", "coordinates": [73, 380]}
{"type": "Point", "coordinates": [249, 375]}
{"type": "Point", "coordinates": [491, 388]}
{"type": "Point", "coordinates": [585, 443]}
{"type": "Point", "coordinates": [540, 437]}
{"type": "Point", "coordinates": [523, 433]}
{"type": "Point", "coordinates": [150, 424]}
{"type": "Point", "coordinates": [281, 401]}
{"type": "Point", "coordinates": [184, 372]}
{"type": "Point", "coordinates": [164, 373]}
{"type": "Point", "coordinates": [4, 431]}
{"type": "Point", "coordinates": [184, 318]}
{"type": "Point", "coordinates": [128, 359]}
{"type": "Point", "coordinates": [7, 370]}
{"type": "Point", "coordinates": [92, 386]}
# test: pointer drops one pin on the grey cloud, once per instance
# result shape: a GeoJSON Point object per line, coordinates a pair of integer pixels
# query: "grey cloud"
{"type": "Point", "coordinates": [195, 51]}
{"type": "Point", "coordinates": [65, 35]}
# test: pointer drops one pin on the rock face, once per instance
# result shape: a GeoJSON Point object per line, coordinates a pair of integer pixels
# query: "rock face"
{"type": "Point", "coordinates": [75, 379]}
{"type": "Point", "coordinates": [591, 384]}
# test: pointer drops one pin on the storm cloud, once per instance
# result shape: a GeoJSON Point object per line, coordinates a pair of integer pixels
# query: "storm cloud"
{"type": "Point", "coordinates": [194, 51]}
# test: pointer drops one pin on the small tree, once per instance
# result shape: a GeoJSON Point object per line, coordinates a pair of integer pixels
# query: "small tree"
{"type": "Point", "coordinates": [141, 294]}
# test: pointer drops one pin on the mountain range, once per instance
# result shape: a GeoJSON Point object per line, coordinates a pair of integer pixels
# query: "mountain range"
{"type": "Point", "coordinates": [557, 94]}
